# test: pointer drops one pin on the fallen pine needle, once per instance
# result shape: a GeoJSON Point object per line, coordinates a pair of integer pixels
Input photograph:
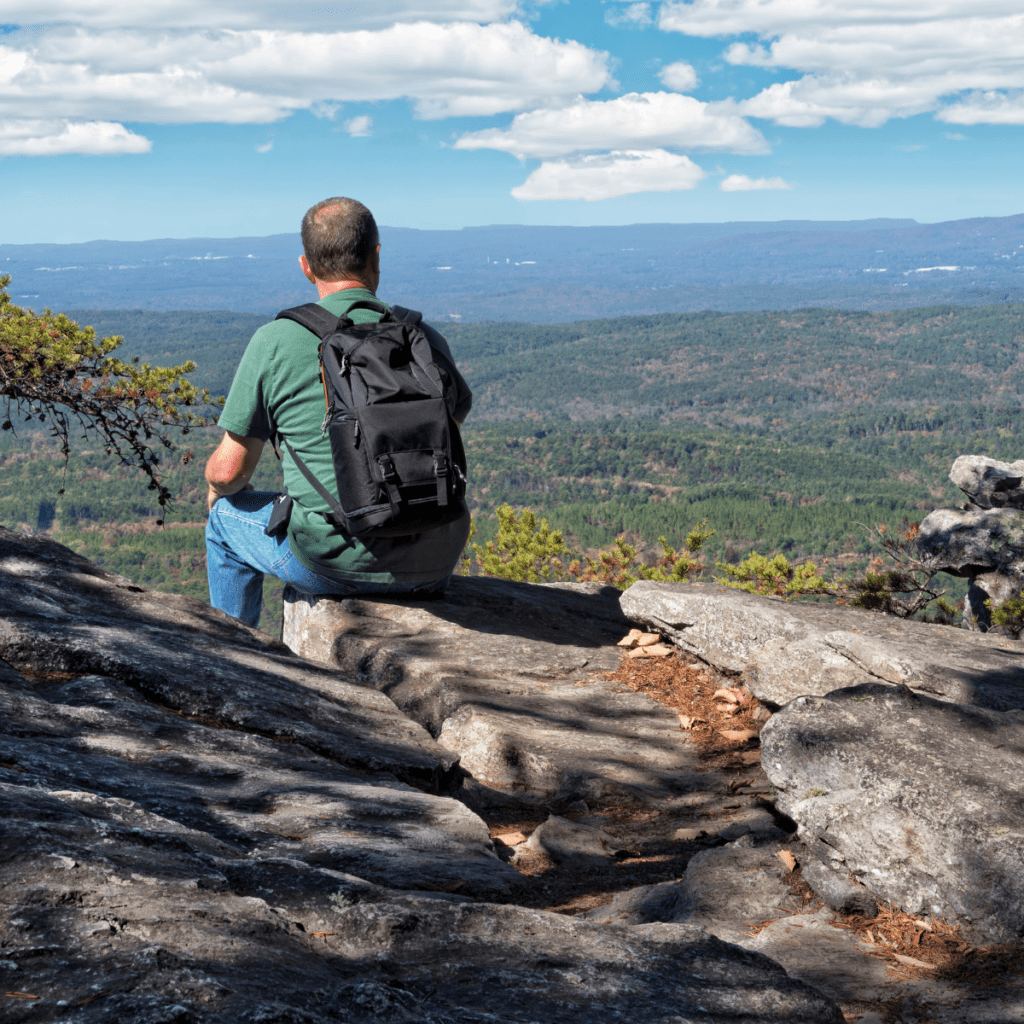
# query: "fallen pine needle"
{"type": "Point", "coordinates": [94, 997]}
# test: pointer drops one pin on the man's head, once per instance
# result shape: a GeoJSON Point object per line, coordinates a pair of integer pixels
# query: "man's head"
{"type": "Point", "coordinates": [341, 242]}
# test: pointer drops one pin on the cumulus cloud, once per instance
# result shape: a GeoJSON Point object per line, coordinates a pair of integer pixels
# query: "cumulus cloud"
{"type": "Point", "coordinates": [607, 176]}
{"type": "Point", "coordinates": [263, 75]}
{"type": "Point", "coordinates": [866, 61]}
{"type": "Point", "coordinates": [985, 108]}
{"type": "Point", "coordinates": [34, 137]}
{"type": "Point", "coordinates": [254, 14]}
{"type": "Point", "coordinates": [629, 122]}
{"type": "Point", "coordinates": [681, 77]}
{"type": "Point", "coordinates": [265, 148]}
{"type": "Point", "coordinates": [741, 183]}
{"type": "Point", "coordinates": [359, 125]}
{"type": "Point", "coordinates": [634, 15]}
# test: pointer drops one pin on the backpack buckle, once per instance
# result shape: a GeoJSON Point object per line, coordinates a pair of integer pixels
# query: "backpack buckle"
{"type": "Point", "coordinates": [389, 475]}
{"type": "Point", "coordinates": [441, 477]}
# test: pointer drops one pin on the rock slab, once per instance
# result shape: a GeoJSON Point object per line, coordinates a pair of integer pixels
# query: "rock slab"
{"type": "Point", "coordinates": [921, 801]}
{"type": "Point", "coordinates": [511, 677]}
{"type": "Point", "coordinates": [785, 649]}
{"type": "Point", "coordinates": [201, 828]}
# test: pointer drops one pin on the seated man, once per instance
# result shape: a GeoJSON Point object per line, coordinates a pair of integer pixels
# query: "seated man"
{"type": "Point", "coordinates": [277, 392]}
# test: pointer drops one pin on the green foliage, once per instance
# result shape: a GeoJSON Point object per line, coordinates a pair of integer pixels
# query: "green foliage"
{"type": "Point", "coordinates": [620, 566]}
{"type": "Point", "coordinates": [525, 549]}
{"type": "Point", "coordinates": [58, 373]}
{"type": "Point", "coordinates": [757, 574]}
{"type": "Point", "coordinates": [1009, 615]}
{"type": "Point", "coordinates": [900, 583]}
{"type": "Point", "coordinates": [528, 550]}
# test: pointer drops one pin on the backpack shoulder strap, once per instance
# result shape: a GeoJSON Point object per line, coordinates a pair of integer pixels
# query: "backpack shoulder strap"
{"type": "Point", "coordinates": [410, 316]}
{"type": "Point", "coordinates": [338, 519]}
{"type": "Point", "coordinates": [313, 317]}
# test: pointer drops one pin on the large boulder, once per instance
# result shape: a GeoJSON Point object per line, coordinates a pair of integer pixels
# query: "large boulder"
{"type": "Point", "coordinates": [919, 800]}
{"type": "Point", "coordinates": [988, 482]}
{"type": "Point", "coordinates": [986, 546]}
{"type": "Point", "coordinates": [511, 677]}
{"type": "Point", "coordinates": [785, 649]}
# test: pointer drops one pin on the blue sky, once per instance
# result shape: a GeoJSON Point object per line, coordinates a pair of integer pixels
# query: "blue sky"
{"type": "Point", "coordinates": [181, 118]}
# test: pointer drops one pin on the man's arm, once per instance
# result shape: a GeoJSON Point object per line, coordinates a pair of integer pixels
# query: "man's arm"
{"type": "Point", "coordinates": [231, 465]}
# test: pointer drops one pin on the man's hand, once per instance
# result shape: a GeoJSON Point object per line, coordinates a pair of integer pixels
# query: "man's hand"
{"type": "Point", "coordinates": [231, 465]}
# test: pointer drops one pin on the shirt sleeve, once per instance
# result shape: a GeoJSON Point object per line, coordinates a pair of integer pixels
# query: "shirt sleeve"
{"type": "Point", "coordinates": [463, 395]}
{"type": "Point", "coordinates": [246, 410]}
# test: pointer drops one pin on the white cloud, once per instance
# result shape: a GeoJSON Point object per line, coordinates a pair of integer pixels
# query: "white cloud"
{"type": "Point", "coordinates": [635, 15]}
{"type": "Point", "coordinates": [741, 183]}
{"type": "Point", "coordinates": [681, 77]}
{"type": "Point", "coordinates": [259, 76]}
{"type": "Point", "coordinates": [240, 14]}
{"type": "Point", "coordinates": [866, 61]}
{"type": "Point", "coordinates": [33, 137]}
{"type": "Point", "coordinates": [629, 122]}
{"type": "Point", "coordinates": [619, 173]}
{"type": "Point", "coordinates": [265, 148]}
{"type": "Point", "coordinates": [359, 125]}
{"type": "Point", "coordinates": [955, 137]}
{"type": "Point", "coordinates": [985, 108]}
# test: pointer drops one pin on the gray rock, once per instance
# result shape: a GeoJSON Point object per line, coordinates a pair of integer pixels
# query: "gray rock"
{"type": "Point", "coordinates": [724, 891]}
{"type": "Point", "coordinates": [60, 615]}
{"type": "Point", "coordinates": [837, 890]}
{"type": "Point", "coordinates": [125, 925]}
{"type": "Point", "coordinates": [566, 842]}
{"type": "Point", "coordinates": [509, 676]}
{"type": "Point", "coordinates": [985, 546]}
{"type": "Point", "coordinates": [828, 958]}
{"type": "Point", "coordinates": [200, 826]}
{"type": "Point", "coordinates": [102, 751]}
{"type": "Point", "coordinates": [920, 800]}
{"type": "Point", "coordinates": [988, 482]}
{"type": "Point", "coordinates": [969, 543]}
{"type": "Point", "coordinates": [786, 649]}
{"type": "Point", "coordinates": [562, 969]}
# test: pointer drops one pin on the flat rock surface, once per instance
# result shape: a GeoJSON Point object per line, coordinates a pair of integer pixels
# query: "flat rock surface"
{"type": "Point", "coordinates": [153, 932]}
{"type": "Point", "coordinates": [920, 800]}
{"type": "Point", "coordinates": [785, 649]}
{"type": "Point", "coordinates": [199, 827]}
{"type": "Point", "coordinates": [510, 676]}
{"type": "Point", "coordinates": [828, 958]}
{"type": "Point", "coordinates": [60, 615]}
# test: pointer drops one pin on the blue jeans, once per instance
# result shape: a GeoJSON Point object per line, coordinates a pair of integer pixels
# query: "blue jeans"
{"type": "Point", "coordinates": [239, 554]}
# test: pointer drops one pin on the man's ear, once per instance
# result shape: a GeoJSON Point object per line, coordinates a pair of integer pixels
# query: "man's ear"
{"type": "Point", "coordinates": [306, 269]}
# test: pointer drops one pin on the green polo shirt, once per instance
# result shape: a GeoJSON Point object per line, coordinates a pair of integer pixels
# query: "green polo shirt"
{"type": "Point", "coordinates": [277, 390]}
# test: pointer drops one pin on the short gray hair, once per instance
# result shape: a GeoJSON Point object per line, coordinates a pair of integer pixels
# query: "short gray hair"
{"type": "Point", "coordinates": [338, 236]}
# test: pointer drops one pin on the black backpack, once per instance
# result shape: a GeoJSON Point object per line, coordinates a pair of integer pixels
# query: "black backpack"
{"type": "Point", "coordinates": [399, 463]}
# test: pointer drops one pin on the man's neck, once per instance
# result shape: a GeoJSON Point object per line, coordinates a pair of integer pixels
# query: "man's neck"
{"type": "Point", "coordinates": [326, 288]}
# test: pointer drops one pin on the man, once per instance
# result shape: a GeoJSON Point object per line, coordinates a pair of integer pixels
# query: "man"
{"type": "Point", "coordinates": [277, 391]}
